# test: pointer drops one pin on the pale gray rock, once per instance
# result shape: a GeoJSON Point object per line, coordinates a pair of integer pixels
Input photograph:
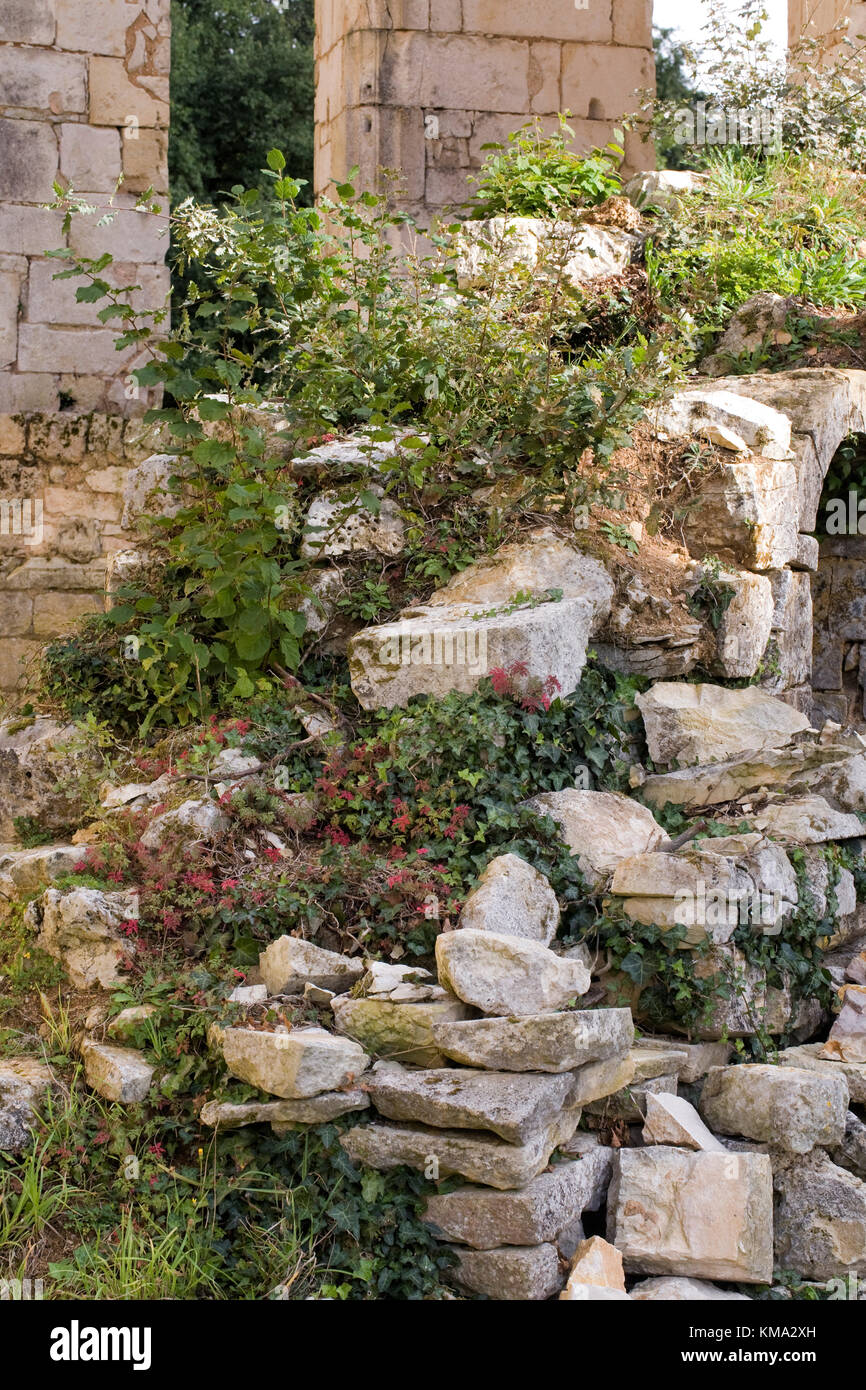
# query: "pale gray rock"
{"type": "Point", "coordinates": [296, 1064]}
{"type": "Point", "coordinates": [808, 820]}
{"type": "Point", "coordinates": [478, 1157]}
{"type": "Point", "coordinates": [116, 1073]}
{"type": "Point", "coordinates": [540, 1211]}
{"type": "Point", "coordinates": [507, 975]}
{"type": "Point", "coordinates": [513, 899]}
{"type": "Point", "coordinates": [701, 1215]}
{"type": "Point", "coordinates": [290, 963]}
{"type": "Point", "coordinates": [698, 724]}
{"type": "Point", "coordinates": [514, 1105]}
{"type": "Point", "coordinates": [196, 819]}
{"type": "Point", "coordinates": [630, 1103]}
{"type": "Point", "coordinates": [511, 1274]}
{"type": "Point", "coordinates": [791, 1108]}
{"type": "Point", "coordinates": [24, 1082]}
{"type": "Point", "coordinates": [401, 984]}
{"type": "Point", "coordinates": [283, 1114]}
{"type": "Point", "coordinates": [700, 1056]}
{"type": "Point", "coordinates": [732, 421]}
{"type": "Point", "coordinates": [398, 1032]}
{"type": "Point", "coordinates": [601, 828]}
{"type": "Point", "coordinates": [577, 252]}
{"type": "Point", "coordinates": [25, 871]}
{"type": "Point", "coordinates": [338, 525]}
{"type": "Point", "coordinates": [683, 1291]}
{"type": "Point", "coordinates": [555, 1042]}
{"type": "Point", "coordinates": [670, 1119]}
{"type": "Point", "coordinates": [820, 1219]}
{"type": "Point", "coordinates": [82, 929]}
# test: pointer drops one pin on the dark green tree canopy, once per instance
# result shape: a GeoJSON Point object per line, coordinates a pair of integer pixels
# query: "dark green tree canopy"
{"type": "Point", "coordinates": [242, 82]}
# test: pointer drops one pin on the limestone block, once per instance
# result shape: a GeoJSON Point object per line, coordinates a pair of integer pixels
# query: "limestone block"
{"type": "Point", "coordinates": [85, 30]}
{"type": "Point", "coordinates": [820, 1219]}
{"type": "Point", "coordinates": [27, 171]}
{"type": "Point", "coordinates": [293, 1064]}
{"type": "Point", "coordinates": [82, 929]}
{"type": "Point", "coordinates": [601, 828]}
{"type": "Point", "coordinates": [54, 614]}
{"type": "Point", "coordinates": [129, 235]}
{"type": "Point", "coordinates": [29, 21]}
{"type": "Point", "coordinates": [697, 724]}
{"type": "Point", "coordinates": [546, 1206]}
{"type": "Point", "coordinates": [794, 1109]}
{"type": "Point", "coordinates": [89, 158]}
{"type": "Point", "coordinates": [702, 1215]}
{"type": "Point", "coordinates": [507, 975]}
{"type": "Point", "coordinates": [511, 1274]}
{"type": "Point", "coordinates": [289, 963]}
{"type": "Point", "coordinates": [41, 79]}
{"type": "Point", "coordinates": [42, 348]}
{"type": "Point", "coordinates": [745, 627]}
{"type": "Point", "coordinates": [145, 161]}
{"type": "Point", "coordinates": [402, 1032]}
{"type": "Point", "coordinates": [545, 1042]}
{"type": "Point", "coordinates": [602, 82]}
{"type": "Point", "coordinates": [114, 97]}
{"type": "Point", "coordinates": [514, 899]}
{"type": "Point", "coordinates": [116, 1073]}
{"type": "Point", "coordinates": [284, 1114]}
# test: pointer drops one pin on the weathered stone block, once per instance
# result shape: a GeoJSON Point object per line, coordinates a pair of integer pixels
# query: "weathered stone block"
{"type": "Point", "coordinates": [116, 1073]}
{"type": "Point", "coordinates": [546, 1042]}
{"type": "Point", "coordinates": [400, 1032]}
{"type": "Point", "coordinates": [129, 236]}
{"type": "Point", "coordinates": [39, 79]}
{"type": "Point", "coordinates": [510, 1274]}
{"type": "Point", "coordinates": [793, 1109]}
{"type": "Point", "coordinates": [293, 1065]}
{"type": "Point", "coordinates": [706, 1215]}
{"type": "Point", "coordinates": [27, 170]}
{"type": "Point", "coordinates": [530, 1215]}
{"type": "Point", "coordinates": [83, 29]}
{"type": "Point", "coordinates": [29, 21]}
{"type": "Point", "coordinates": [115, 98]}
{"type": "Point", "coordinates": [90, 157]}
{"type": "Point", "coordinates": [145, 161]}
{"type": "Point", "coordinates": [601, 82]}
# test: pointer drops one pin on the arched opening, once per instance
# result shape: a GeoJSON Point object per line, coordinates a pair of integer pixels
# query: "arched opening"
{"type": "Point", "coordinates": [839, 589]}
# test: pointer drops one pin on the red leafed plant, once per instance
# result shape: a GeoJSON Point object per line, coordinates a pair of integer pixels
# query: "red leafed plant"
{"type": "Point", "coordinates": [530, 692]}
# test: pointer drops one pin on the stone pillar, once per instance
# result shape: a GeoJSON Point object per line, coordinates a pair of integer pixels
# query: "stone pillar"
{"type": "Point", "coordinates": [421, 85]}
{"type": "Point", "coordinates": [83, 100]}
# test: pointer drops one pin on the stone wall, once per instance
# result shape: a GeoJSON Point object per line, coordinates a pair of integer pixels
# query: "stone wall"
{"type": "Point", "coordinates": [61, 503]}
{"type": "Point", "coordinates": [420, 86]}
{"type": "Point", "coordinates": [84, 89]}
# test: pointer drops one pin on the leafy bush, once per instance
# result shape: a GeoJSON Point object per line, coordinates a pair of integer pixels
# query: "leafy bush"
{"type": "Point", "coordinates": [315, 311]}
{"type": "Point", "coordinates": [537, 175]}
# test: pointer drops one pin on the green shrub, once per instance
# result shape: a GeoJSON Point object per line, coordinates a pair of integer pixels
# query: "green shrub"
{"type": "Point", "coordinates": [537, 175]}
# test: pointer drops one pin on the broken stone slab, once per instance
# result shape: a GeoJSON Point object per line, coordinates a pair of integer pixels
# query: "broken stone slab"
{"type": "Point", "coordinates": [698, 724]}
{"type": "Point", "coordinates": [290, 963]}
{"type": "Point", "coordinates": [791, 1108]}
{"type": "Point", "coordinates": [198, 820]}
{"type": "Point", "coordinates": [670, 1119]}
{"type": "Point", "coordinates": [796, 768]}
{"type": "Point", "coordinates": [807, 820]}
{"type": "Point", "coordinates": [733, 421]}
{"type": "Point", "coordinates": [601, 828]}
{"type": "Point", "coordinates": [745, 626]}
{"type": "Point", "coordinates": [760, 322]}
{"type": "Point", "coordinates": [701, 1215]}
{"type": "Point", "coordinates": [476, 1156]}
{"type": "Point", "coordinates": [507, 975]}
{"type": "Point", "coordinates": [533, 565]}
{"type": "Point", "coordinates": [401, 984]}
{"type": "Point", "coordinates": [746, 513]}
{"type": "Point", "coordinates": [657, 188]}
{"type": "Point", "coordinates": [699, 1056]}
{"type": "Point", "coordinates": [434, 650]}
{"type": "Point", "coordinates": [555, 1042]}
{"type": "Point", "coordinates": [530, 1215]}
{"type": "Point", "coordinates": [116, 1073]}
{"type": "Point", "coordinates": [283, 1114]}
{"type": "Point", "coordinates": [509, 1275]}
{"type": "Point", "coordinates": [248, 995]}
{"type": "Point", "coordinates": [676, 1290]}
{"type": "Point", "coordinates": [399, 1032]}
{"type": "Point", "coordinates": [847, 1040]}
{"type": "Point", "coordinates": [824, 405]}
{"type": "Point", "coordinates": [596, 1080]}
{"type": "Point", "coordinates": [576, 253]}
{"type": "Point", "coordinates": [630, 1103]}
{"type": "Point", "coordinates": [293, 1065]}
{"type": "Point", "coordinates": [24, 1082]}
{"type": "Point", "coordinates": [514, 1105]}
{"type": "Point", "coordinates": [597, 1262]}
{"type": "Point", "coordinates": [25, 871]}
{"type": "Point", "coordinates": [792, 631]}
{"type": "Point", "coordinates": [710, 888]}
{"type": "Point", "coordinates": [513, 899]}
{"type": "Point", "coordinates": [820, 1218]}
{"type": "Point", "coordinates": [650, 1062]}
{"type": "Point", "coordinates": [81, 928]}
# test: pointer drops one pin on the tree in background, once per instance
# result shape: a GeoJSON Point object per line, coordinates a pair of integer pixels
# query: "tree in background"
{"type": "Point", "coordinates": [673, 85]}
{"type": "Point", "coordinates": [242, 82]}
